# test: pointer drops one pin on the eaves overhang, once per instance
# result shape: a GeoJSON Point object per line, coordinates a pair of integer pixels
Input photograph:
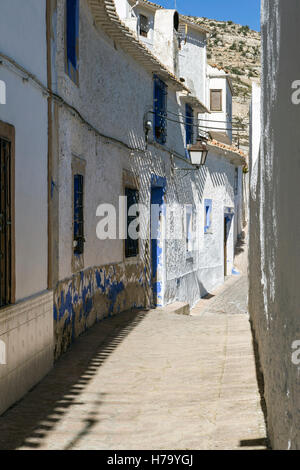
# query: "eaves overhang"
{"type": "Point", "coordinates": [106, 16]}
{"type": "Point", "coordinates": [194, 102]}
{"type": "Point", "coordinates": [231, 153]}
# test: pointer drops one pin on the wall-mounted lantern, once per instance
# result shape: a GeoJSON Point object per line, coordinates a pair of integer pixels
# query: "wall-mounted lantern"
{"type": "Point", "coordinates": [148, 128]}
{"type": "Point", "coordinates": [198, 152]}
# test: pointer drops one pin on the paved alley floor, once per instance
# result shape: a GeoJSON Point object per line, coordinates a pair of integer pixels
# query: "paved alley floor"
{"type": "Point", "coordinates": [150, 380]}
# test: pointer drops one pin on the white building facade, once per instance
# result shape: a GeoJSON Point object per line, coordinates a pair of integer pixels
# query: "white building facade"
{"type": "Point", "coordinates": [26, 304]}
{"type": "Point", "coordinates": [127, 111]}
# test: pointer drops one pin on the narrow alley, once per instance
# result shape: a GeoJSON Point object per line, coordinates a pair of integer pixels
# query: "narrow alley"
{"type": "Point", "coordinates": [150, 380]}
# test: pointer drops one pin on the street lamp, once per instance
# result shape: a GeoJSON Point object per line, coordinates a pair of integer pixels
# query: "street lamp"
{"type": "Point", "coordinates": [198, 152]}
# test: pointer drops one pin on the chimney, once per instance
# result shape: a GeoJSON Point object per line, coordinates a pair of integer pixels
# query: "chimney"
{"type": "Point", "coordinates": [166, 44]}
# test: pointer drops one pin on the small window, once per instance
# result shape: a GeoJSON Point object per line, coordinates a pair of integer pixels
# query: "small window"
{"type": "Point", "coordinates": [216, 100]}
{"type": "Point", "coordinates": [144, 26]}
{"type": "Point", "coordinates": [160, 111]}
{"type": "Point", "coordinates": [131, 245]}
{"type": "Point", "coordinates": [189, 227]}
{"type": "Point", "coordinates": [189, 124]}
{"type": "Point", "coordinates": [176, 21]}
{"type": "Point", "coordinates": [72, 37]}
{"type": "Point", "coordinates": [236, 181]}
{"type": "Point", "coordinates": [78, 215]}
{"type": "Point", "coordinates": [207, 215]}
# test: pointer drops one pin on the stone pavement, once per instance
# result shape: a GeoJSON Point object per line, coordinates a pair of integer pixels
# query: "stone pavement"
{"type": "Point", "coordinates": [150, 380]}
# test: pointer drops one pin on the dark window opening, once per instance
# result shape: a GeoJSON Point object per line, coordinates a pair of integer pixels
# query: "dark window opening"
{"type": "Point", "coordinates": [160, 111]}
{"type": "Point", "coordinates": [144, 26]}
{"type": "Point", "coordinates": [5, 223]}
{"type": "Point", "coordinates": [131, 245]}
{"type": "Point", "coordinates": [189, 125]}
{"type": "Point", "coordinates": [176, 21]}
{"type": "Point", "coordinates": [78, 215]}
{"type": "Point", "coordinates": [72, 36]}
{"type": "Point", "coordinates": [216, 100]}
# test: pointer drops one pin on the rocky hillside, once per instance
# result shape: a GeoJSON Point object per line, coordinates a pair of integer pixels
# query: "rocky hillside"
{"type": "Point", "coordinates": [237, 49]}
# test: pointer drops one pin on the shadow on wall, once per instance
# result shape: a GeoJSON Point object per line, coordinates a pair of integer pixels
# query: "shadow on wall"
{"type": "Point", "coordinates": [219, 178]}
{"type": "Point", "coordinates": [260, 380]}
{"type": "Point", "coordinates": [241, 244]}
{"type": "Point", "coordinates": [28, 423]}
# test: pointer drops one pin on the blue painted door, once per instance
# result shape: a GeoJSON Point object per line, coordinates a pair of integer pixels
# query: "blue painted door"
{"type": "Point", "coordinates": [227, 225]}
{"type": "Point", "coordinates": [157, 199]}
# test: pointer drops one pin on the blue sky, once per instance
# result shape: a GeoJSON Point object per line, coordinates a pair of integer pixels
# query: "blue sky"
{"type": "Point", "coordinates": [245, 12]}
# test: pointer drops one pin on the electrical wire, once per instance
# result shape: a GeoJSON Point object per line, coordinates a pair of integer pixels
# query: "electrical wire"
{"type": "Point", "coordinates": [26, 75]}
{"type": "Point", "coordinates": [202, 119]}
{"type": "Point", "coordinates": [197, 126]}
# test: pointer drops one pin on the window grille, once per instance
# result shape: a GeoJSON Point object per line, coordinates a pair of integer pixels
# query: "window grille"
{"type": "Point", "coordinates": [131, 245]}
{"type": "Point", "coordinates": [78, 215]}
{"type": "Point", "coordinates": [160, 110]}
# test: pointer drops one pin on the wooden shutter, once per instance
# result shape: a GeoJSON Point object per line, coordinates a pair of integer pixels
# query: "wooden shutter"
{"type": "Point", "coordinates": [216, 100]}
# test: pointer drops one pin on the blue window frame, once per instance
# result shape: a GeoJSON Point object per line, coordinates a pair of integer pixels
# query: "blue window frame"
{"type": "Point", "coordinates": [189, 125]}
{"type": "Point", "coordinates": [160, 110]}
{"type": "Point", "coordinates": [78, 215]}
{"type": "Point", "coordinates": [72, 36]}
{"type": "Point", "coordinates": [207, 214]}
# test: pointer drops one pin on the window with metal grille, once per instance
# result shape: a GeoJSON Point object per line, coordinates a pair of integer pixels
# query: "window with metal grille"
{"type": "Point", "coordinates": [144, 25]}
{"type": "Point", "coordinates": [131, 245]}
{"type": "Point", "coordinates": [5, 222]}
{"type": "Point", "coordinates": [78, 215]}
{"type": "Point", "coordinates": [216, 100]}
{"type": "Point", "coordinates": [72, 37]}
{"type": "Point", "coordinates": [160, 110]}
{"type": "Point", "coordinates": [189, 125]}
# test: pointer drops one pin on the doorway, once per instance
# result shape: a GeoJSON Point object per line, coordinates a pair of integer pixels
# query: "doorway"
{"type": "Point", "coordinates": [227, 227]}
{"type": "Point", "coordinates": [157, 202]}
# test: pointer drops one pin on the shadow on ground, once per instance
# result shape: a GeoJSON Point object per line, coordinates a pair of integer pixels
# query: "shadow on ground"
{"type": "Point", "coordinates": [263, 443]}
{"type": "Point", "coordinates": [28, 422]}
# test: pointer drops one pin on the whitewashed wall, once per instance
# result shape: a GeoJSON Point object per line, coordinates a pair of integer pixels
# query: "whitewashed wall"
{"type": "Point", "coordinates": [26, 110]}
{"type": "Point", "coordinates": [217, 81]}
{"type": "Point", "coordinates": [274, 224]}
{"type": "Point", "coordinates": [192, 62]}
{"type": "Point", "coordinates": [26, 328]}
{"type": "Point", "coordinates": [114, 95]}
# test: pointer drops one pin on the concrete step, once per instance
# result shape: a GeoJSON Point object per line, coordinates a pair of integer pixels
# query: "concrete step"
{"type": "Point", "coordinates": [180, 308]}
